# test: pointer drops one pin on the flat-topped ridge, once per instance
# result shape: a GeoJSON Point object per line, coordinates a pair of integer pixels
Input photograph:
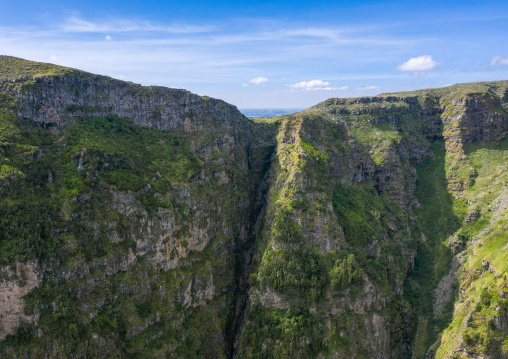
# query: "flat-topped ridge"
{"type": "Point", "coordinates": [56, 94]}
{"type": "Point", "coordinates": [435, 97]}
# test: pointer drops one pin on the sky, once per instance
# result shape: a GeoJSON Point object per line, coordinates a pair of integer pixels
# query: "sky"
{"type": "Point", "coordinates": [266, 54]}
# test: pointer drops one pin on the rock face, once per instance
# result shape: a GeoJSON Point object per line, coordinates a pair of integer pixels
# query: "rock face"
{"type": "Point", "coordinates": [61, 99]}
{"type": "Point", "coordinates": [146, 221]}
{"type": "Point", "coordinates": [15, 285]}
{"type": "Point", "coordinates": [144, 227]}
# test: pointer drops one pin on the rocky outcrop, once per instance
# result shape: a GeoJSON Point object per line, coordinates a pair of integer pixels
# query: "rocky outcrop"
{"type": "Point", "coordinates": [62, 99]}
{"type": "Point", "coordinates": [16, 283]}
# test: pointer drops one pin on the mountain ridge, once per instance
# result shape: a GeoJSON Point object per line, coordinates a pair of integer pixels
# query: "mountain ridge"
{"type": "Point", "coordinates": [333, 232]}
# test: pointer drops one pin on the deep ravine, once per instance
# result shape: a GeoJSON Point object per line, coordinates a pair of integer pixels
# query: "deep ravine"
{"type": "Point", "coordinates": [152, 222]}
{"type": "Point", "coordinates": [260, 160]}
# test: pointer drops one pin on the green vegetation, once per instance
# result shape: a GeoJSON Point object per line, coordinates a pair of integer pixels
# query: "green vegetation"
{"type": "Point", "coordinates": [359, 213]}
{"type": "Point", "coordinates": [113, 153]}
{"type": "Point", "coordinates": [437, 221]}
{"type": "Point", "coordinates": [14, 68]}
{"type": "Point", "coordinates": [482, 306]}
{"type": "Point", "coordinates": [344, 274]}
{"type": "Point", "coordinates": [129, 155]}
{"type": "Point", "coordinates": [293, 271]}
{"type": "Point", "coordinates": [284, 230]}
{"type": "Point", "coordinates": [293, 268]}
{"type": "Point", "coordinates": [276, 333]}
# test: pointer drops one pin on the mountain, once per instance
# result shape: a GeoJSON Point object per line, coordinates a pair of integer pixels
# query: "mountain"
{"type": "Point", "coordinates": [151, 222]}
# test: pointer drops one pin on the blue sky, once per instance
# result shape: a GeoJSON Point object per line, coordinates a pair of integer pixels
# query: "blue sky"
{"type": "Point", "coordinates": [267, 53]}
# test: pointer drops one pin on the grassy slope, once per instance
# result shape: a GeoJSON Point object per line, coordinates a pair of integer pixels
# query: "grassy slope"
{"type": "Point", "coordinates": [483, 292]}
{"type": "Point", "coordinates": [437, 221]}
{"type": "Point", "coordinates": [14, 68]}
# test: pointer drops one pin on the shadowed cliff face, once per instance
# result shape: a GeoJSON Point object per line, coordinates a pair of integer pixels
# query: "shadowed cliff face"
{"type": "Point", "coordinates": [154, 222]}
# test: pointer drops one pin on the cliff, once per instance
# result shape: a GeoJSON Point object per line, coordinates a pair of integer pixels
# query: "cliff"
{"type": "Point", "coordinates": [127, 234]}
{"type": "Point", "coordinates": [383, 197]}
{"type": "Point", "coordinates": [146, 221]}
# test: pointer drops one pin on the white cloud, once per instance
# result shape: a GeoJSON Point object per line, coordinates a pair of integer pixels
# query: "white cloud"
{"type": "Point", "coordinates": [312, 85]}
{"type": "Point", "coordinates": [418, 64]}
{"type": "Point", "coordinates": [369, 87]}
{"type": "Point", "coordinates": [245, 85]}
{"type": "Point", "coordinates": [108, 38]}
{"type": "Point", "coordinates": [342, 88]}
{"type": "Point", "coordinates": [258, 80]}
{"type": "Point", "coordinates": [499, 60]}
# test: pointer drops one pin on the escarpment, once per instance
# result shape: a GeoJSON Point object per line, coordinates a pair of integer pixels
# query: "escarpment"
{"type": "Point", "coordinates": [153, 222]}
{"type": "Point", "coordinates": [72, 94]}
{"type": "Point", "coordinates": [138, 233]}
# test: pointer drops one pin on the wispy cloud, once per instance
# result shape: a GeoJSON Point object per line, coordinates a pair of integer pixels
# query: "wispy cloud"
{"type": "Point", "coordinates": [328, 33]}
{"type": "Point", "coordinates": [259, 80]}
{"type": "Point", "coordinates": [418, 64]}
{"type": "Point", "coordinates": [76, 24]}
{"type": "Point", "coordinates": [369, 87]}
{"type": "Point", "coordinates": [499, 60]}
{"type": "Point", "coordinates": [314, 85]}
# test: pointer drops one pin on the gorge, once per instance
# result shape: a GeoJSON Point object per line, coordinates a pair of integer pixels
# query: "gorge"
{"type": "Point", "coordinates": [152, 222]}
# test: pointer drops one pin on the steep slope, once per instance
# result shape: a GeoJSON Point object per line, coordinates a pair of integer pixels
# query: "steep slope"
{"type": "Point", "coordinates": [368, 204]}
{"type": "Point", "coordinates": [119, 240]}
{"type": "Point", "coordinates": [151, 222]}
{"type": "Point", "coordinates": [480, 316]}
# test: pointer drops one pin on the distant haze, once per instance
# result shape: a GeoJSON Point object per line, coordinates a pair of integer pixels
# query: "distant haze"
{"type": "Point", "coordinates": [268, 112]}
